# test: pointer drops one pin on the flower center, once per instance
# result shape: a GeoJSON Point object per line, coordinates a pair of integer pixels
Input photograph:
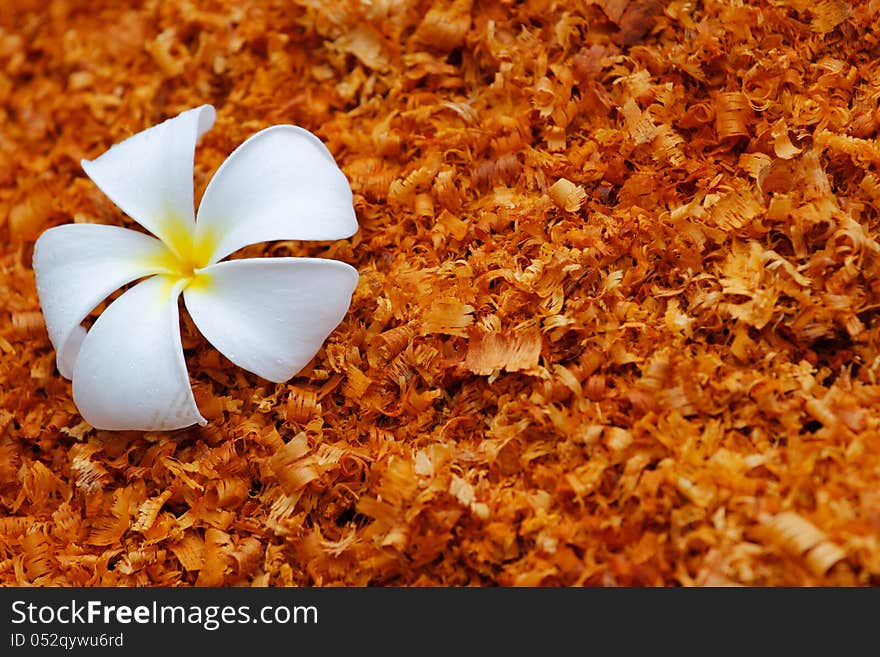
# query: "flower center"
{"type": "Point", "coordinates": [185, 254]}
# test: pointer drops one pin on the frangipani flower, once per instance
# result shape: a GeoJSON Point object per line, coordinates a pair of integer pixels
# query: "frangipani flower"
{"type": "Point", "coordinates": [267, 315]}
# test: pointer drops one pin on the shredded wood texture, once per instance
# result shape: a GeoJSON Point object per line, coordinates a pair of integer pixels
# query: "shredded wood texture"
{"type": "Point", "coordinates": [617, 321]}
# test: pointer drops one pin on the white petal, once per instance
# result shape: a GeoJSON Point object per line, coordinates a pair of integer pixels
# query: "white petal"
{"type": "Point", "coordinates": [130, 373]}
{"type": "Point", "coordinates": [77, 266]}
{"type": "Point", "coordinates": [281, 184]}
{"type": "Point", "coordinates": [270, 316]}
{"type": "Point", "coordinates": [150, 174]}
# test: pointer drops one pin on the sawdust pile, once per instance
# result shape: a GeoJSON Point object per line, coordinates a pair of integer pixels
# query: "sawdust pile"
{"type": "Point", "coordinates": [617, 321]}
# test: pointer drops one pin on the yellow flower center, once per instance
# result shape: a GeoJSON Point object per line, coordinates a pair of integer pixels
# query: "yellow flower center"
{"type": "Point", "coordinates": [185, 255]}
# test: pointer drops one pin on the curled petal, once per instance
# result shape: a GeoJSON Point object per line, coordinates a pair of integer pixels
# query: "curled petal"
{"type": "Point", "coordinates": [130, 373]}
{"type": "Point", "coordinates": [270, 316]}
{"type": "Point", "coordinates": [150, 175]}
{"type": "Point", "coordinates": [77, 266]}
{"type": "Point", "coordinates": [281, 184]}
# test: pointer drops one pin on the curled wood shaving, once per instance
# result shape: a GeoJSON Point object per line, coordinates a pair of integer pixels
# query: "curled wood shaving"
{"type": "Point", "coordinates": [149, 511]}
{"type": "Point", "coordinates": [733, 114]}
{"type": "Point", "coordinates": [567, 195]}
{"type": "Point", "coordinates": [302, 405]}
{"type": "Point", "coordinates": [28, 324]}
{"type": "Point", "coordinates": [800, 537]}
{"type": "Point", "coordinates": [449, 317]}
{"type": "Point", "coordinates": [292, 464]}
{"type": "Point", "coordinates": [513, 351]}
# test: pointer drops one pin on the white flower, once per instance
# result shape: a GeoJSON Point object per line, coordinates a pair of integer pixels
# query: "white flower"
{"type": "Point", "coordinates": [267, 315]}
